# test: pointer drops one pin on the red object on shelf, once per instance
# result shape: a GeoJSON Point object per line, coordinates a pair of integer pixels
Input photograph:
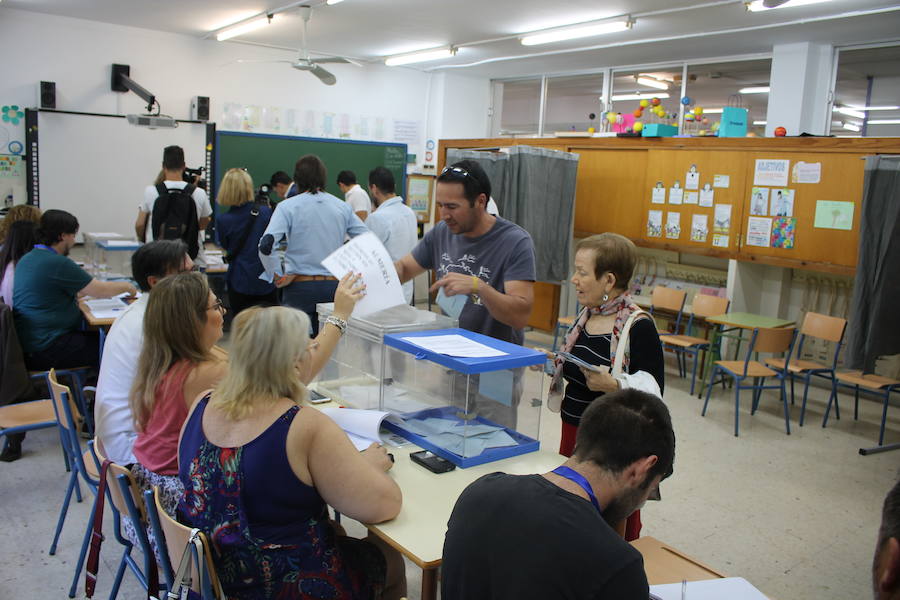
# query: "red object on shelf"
{"type": "Point", "coordinates": [780, 132]}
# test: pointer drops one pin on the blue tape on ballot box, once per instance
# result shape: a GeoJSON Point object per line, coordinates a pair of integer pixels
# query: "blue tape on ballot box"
{"type": "Point", "coordinates": [523, 445]}
{"type": "Point", "coordinates": [515, 356]}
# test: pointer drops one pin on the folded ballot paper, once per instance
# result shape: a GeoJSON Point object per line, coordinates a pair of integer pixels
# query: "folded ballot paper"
{"type": "Point", "coordinates": [466, 440]}
{"type": "Point", "coordinates": [732, 588]}
{"type": "Point", "coordinates": [363, 427]}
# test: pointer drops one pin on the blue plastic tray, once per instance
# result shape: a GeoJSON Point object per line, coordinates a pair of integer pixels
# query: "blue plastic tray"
{"type": "Point", "coordinates": [524, 446]}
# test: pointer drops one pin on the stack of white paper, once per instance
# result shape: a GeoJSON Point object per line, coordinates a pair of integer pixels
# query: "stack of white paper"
{"type": "Point", "coordinates": [732, 588]}
{"type": "Point", "coordinates": [454, 345]}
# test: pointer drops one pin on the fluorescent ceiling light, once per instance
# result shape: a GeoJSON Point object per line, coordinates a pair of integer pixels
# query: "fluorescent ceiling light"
{"type": "Point", "coordinates": [572, 33]}
{"type": "Point", "coordinates": [851, 127]}
{"type": "Point", "coordinates": [422, 56]}
{"type": "Point", "coordinates": [884, 122]}
{"type": "Point", "coordinates": [653, 83]}
{"type": "Point", "coordinates": [850, 112]}
{"type": "Point", "coordinates": [756, 122]}
{"type": "Point", "coordinates": [243, 28]}
{"type": "Point", "coordinates": [662, 96]}
{"type": "Point", "coordinates": [330, 2]}
{"type": "Point", "coordinates": [867, 108]}
{"type": "Point", "coordinates": [761, 89]}
{"type": "Point", "coordinates": [713, 111]}
{"type": "Point", "coordinates": [757, 5]}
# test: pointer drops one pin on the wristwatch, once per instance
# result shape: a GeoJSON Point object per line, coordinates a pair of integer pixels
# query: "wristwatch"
{"type": "Point", "coordinates": [337, 322]}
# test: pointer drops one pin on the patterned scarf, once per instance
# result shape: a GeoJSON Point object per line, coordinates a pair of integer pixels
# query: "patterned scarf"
{"type": "Point", "coordinates": [622, 306]}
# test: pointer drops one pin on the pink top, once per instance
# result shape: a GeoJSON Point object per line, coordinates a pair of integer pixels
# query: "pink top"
{"type": "Point", "coordinates": [6, 286]}
{"type": "Point", "coordinates": [157, 446]}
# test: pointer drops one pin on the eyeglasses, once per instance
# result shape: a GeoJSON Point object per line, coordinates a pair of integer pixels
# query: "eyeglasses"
{"type": "Point", "coordinates": [218, 306]}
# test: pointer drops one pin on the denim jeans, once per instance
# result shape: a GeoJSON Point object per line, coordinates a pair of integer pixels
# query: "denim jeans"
{"type": "Point", "coordinates": [304, 295]}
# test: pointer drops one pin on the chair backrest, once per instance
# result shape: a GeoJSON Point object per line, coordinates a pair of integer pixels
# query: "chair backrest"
{"type": "Point", "coordinates": [117, 495]}
{"type": "Point", "coordinates": [668, 298]}
{"type": "Point", "coordinates": [67, 412]}
{"type": "Point", "coordinates": [705, 305]}
{"type": "Point", "coordinates": [824, 327]}
{"type": "Point", "coordinates": [177, 536]}
{"type": "Point", "coordinates": [773, 340]}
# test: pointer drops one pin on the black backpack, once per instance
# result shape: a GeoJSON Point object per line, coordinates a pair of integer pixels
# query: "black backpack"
{"type": "Point", "coordinates": [174, 217]}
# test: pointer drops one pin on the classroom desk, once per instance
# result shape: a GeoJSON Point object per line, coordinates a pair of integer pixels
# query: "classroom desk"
{"type": "Point", "coordinates": [665, 564]}
{"type": "Point", "coordinates": [91, 320]}
{"type": "Point", "coordinates": [737, 322]}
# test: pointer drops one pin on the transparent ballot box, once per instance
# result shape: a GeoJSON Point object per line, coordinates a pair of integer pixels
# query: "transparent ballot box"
{"type": "Point", "coordinates": [357, 374]}
{"type": "Point", "coordinates": [115, 258]}
{"type": "Point", "coordinates": [467, 397]}
{"type": "Point", "coordinates": [92, 251]}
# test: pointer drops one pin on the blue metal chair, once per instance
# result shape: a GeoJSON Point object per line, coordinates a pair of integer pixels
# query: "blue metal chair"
{"type": "Point", "coordinates": [823, 327]}
{"type": "Point", "coordinates": [875, 384]}
{"type": "Point", "coordinates": [774, 341]}
{"type": "Point", "coordinates": [703, 306]}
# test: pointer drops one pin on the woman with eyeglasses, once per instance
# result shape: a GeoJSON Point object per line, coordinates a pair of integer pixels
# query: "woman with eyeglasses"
{"type": "Point", "coordinates": [182, 323]}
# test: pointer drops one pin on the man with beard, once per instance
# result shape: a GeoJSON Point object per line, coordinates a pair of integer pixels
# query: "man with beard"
{"type": "Point", "coordinates": [551, 535]}
{"type": "Point", "coordinates": [886, 566]}
{"type": "Point", "coordinates": [45, 295]}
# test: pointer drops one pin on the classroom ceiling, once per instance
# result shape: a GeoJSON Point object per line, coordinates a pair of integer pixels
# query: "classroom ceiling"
{"type": "Point", "coordinates": [485, 31]}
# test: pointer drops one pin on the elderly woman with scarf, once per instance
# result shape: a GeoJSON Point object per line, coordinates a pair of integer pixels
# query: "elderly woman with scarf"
{"type": "Point", "coordinates": [604, 265]}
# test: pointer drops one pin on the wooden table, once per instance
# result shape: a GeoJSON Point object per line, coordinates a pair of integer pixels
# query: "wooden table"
{"type": "Point", "coordinates": [736, 322]}
{"type": "Point", "coordinates": [91, 320]}
{"type": "Point", "coordinates": [665, 564]}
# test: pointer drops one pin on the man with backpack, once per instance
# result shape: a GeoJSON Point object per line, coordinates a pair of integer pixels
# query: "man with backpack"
{"type": "Point", "coordinates": [175, 209]}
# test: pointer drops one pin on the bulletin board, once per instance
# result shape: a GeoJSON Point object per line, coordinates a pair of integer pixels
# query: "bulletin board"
{"type": "Point", "coordinates": [419, 192]}
{"type": "Point", "coordinates": [694, 201]}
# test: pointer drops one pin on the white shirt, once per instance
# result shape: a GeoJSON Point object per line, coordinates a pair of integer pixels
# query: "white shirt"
{"type": "Point", "coordinates": [6, 287]}
{"type": "Point", "coordinates": [492, 207]}
{"type": "Point", "coordinates": [112, 414]}
{"type": "Point", "coordinates": [203, 210]}
{"type": "Point", "coordinates": [395, 225]}
{"type": "Point", "coordinates": [359, 200]}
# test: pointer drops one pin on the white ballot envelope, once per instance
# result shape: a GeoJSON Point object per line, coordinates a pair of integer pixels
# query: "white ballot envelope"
{"type": "Point", "coordinates": [366, 254]}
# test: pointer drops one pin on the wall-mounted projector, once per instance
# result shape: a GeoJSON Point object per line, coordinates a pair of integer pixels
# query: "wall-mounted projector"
{"type": "Point", "coordinates": [152, 121]}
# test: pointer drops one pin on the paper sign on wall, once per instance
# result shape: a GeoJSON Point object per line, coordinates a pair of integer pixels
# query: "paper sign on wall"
{"type": "Point", "coordinates": [365, 254]}
{"type": "Point", "coordinates": [771, 172]}
{"type": "Point", "coordinates": [783, 203]}
{"type": "Point", "coordinates": [659, 193]}
{"type": "Point", "coordinates": [759, 231]}
{"type": "Point", "coordinates": [699, 228]}
{"type": "Point", "coordinates": [676, 194]}
{"type": "Point", "coordinates": [783, 229]}
{"type": "Point", "coordinates": [806, 172]}
{"type": "Point", "coordinates": [654, 223]}
{"type": "Point", "coordinates": [673, 225]}
{"type": "Point", "coordinates": [831, 214]}
{"type": "Point", "coordinates": [720, 241]}
{"type": "Point", "coordinates": [692, 178]}
{"type": "Point", "coordinates": [691, 197]}
{"type": "Point", "coordinates": [722, 218]}
{"type": "Point", "coordinates": [707, 195]}
{"type": "Point", "coordinates": [721, 181]}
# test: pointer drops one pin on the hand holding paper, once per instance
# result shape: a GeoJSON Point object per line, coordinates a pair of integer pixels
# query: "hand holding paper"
{"type": "Point", "coordinates": [366, 255]}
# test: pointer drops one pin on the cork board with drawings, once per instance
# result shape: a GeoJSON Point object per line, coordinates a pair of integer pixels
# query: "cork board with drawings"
{"type": "Point", "coordinates": [780, 209]}
{"type": "Point", "coordinates": [693, 201]}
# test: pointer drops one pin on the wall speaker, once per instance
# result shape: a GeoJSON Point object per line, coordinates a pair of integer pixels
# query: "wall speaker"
{"type": "Point", "coordinates": [200, 108]}
{"type": "Point", "coordinates": [48, 94]}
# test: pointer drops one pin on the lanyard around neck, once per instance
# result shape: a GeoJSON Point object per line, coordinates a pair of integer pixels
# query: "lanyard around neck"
{"type": "Point", "coordinates": [46, 247]}
{"type": "Point", "coordinates": [576, 477]}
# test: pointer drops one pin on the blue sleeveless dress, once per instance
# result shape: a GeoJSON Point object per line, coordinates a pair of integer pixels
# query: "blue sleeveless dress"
{"type": "Point", "coordinates": [270, 532]}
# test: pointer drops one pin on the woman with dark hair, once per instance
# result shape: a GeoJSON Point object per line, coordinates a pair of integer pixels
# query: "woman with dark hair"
{"type": "Point", "coordinates": [19, 241]}
{"type": "Point", "coordinates": [604, 265]}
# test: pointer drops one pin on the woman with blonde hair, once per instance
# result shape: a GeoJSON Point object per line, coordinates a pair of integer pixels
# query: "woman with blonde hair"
{"type": "Point", "coordinates": [182, 323]}
{"type": "Point", "coordinates": [604, 265]}
{"type": "Point", "coordinates": [259, 469]}
{"type": "Point", "coordinates": [239, 231]}
{"type": "Point", "coordinates": [19, 212]}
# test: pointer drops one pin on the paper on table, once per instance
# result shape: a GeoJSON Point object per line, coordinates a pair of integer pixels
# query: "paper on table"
{"type": "Point", "coordinates": [454, 345]}
{"type": "Point", "coordinates": [366, 254]}
{"type": "Point", "coordinates": [361, 426]}
{"type": "Point", "coordinates": [106, 308]}
{"type": "Point", "coordinates": [451, 305]}
{"type": "Point", "coordinates": [733, 588]}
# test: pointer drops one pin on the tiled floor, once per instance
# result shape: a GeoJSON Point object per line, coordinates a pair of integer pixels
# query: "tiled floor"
{"type": "Point", "coordinates": [796, 515]}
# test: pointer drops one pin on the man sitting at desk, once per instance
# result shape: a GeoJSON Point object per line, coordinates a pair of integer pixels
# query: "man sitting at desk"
{"type": "Point", "coordinates": [45, 293]}
{"type": "Point", "coordinates": [112, 412]}
{"type": "Point", "coordinates": [886, 566]}
{"type": "Point", "coordinates": [551, 535]}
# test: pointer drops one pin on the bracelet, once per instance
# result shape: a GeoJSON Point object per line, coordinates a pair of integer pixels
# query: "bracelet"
{"type": "Point", "coordinates": [474, 285]}
{"type": "Point", "coordinates": [337, 322]}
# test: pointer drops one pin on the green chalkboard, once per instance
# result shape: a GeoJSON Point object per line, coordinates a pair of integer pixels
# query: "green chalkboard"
{"type": "Point", "coordinates": [263, 154]}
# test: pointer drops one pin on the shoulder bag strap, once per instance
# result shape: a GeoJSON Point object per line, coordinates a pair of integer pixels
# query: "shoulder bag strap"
{"type": "Point", "coordinates": [622, 347]}
{"type": "Point", "coordinates": [183, 575]}
{"type": "Point", "coordinates": [93, 560]}
{"type": "Point", "coordinates": [254, 212]}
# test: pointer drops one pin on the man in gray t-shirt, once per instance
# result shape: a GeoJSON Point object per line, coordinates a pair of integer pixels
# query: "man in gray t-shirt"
{"type": "Point", "coordinates": [487, 258]}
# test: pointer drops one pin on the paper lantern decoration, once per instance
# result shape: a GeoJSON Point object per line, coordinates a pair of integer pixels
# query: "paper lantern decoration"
{"type": "Point", "coordinates": [654, 101]}
{"type": "Point", "coordinates": [638, 126]}
{"type": "Point", "coordinates": [698, 110]}
{"type": "Point", "coordinates": [689, 117]}
{"type": "Point", "coordinates": [611, 117]}
{"type": "Point", "coordinates": [686, 100]}
{"type": "Point", "coordinates": [780, 132]}
{"type": "Point", "coordinates": [637, 113]}
{"type": "Point", "coordinates": [645, 103]}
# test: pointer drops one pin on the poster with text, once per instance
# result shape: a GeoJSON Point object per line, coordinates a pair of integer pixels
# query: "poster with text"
{"type": "Point", "coordinates": [722, 218]}
{"type": "Point", "coordinates": [707, 196]}
{"type": "Point", "coordinates": [721, 181]}
{"type": "Point", "coordinates": [759, 201]}
{"type": "Point", "coordinates": [699, 228]}
{"type": "Point", "coordinates": [658, 195]}
{"type": "Point", "coordinates": [654, 223]}
{"type": "Point", "coordinates": [783, 202]}
{"type": "Point", "coordinates": [773, 173]}
{"type": "Point", "coordinates": [691, 197]}
{"type": "Point", "coordinates": [832, 214]}
{"type": "Point", "coordinates": [673, 225]}
{"type": "Point", "coordinates": [720, 241]}
{"type": "Point", "coordinates": [759, 231]}
{"type": "Point", "coordinates": [692, 178]}
{"type": "Point", "coordinates": [806, 172]}
{"type": "Point", "coordinates": [676, 193]}
{"type": "Point", "coordinates": [783, 229]}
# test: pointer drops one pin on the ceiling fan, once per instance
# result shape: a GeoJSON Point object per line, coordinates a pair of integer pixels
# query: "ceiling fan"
{"type": "Point", "coordinates": [311, 65]}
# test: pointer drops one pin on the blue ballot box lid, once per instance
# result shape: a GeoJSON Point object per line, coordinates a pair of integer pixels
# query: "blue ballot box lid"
{"type": "Point", "coordinates": [514, 355]}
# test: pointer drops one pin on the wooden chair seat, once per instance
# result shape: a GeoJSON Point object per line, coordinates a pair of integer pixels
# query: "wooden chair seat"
{"type": "Point", "coordinates": [754, 369]}
{"type": "Point", "coordinates": [795, 366]}
{"type": "Point", "coordinates": [27, 413]}
{"type": "Point", "coordinates": [684, 341]}
{"type": "Point", "coordinates": [870, 381]}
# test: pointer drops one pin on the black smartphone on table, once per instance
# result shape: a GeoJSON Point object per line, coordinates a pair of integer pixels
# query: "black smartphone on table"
{"type": "Point", "coordinates": [432, 461]}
